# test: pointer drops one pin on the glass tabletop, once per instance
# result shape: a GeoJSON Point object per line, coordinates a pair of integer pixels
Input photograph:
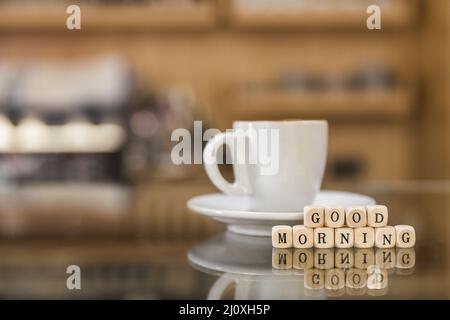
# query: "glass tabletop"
{"type": "Point", "coordinates": [231, 266]}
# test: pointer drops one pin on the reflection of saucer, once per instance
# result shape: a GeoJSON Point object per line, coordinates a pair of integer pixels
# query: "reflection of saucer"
{"type": "Point", "coordinates": [235, 210]}
{"type": "Point", "coordinates": [233, 254]}
{"type": "Point", "coordinates": [245, 262]}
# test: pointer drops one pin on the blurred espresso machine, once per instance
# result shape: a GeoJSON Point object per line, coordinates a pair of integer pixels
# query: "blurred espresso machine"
{"type": "Point", "coordinates": [85, 120]}
{"type": "Point", "coordinates": [63, 121]}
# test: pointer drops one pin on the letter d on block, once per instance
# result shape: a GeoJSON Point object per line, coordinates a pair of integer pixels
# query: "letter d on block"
{"type": "Point", "coordinates": [377, 216]}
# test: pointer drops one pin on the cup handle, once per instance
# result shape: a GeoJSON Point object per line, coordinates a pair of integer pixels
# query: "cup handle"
{"type": "Point", "coordinates": [241, 184]}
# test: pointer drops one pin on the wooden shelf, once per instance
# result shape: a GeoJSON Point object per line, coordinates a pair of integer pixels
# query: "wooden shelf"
{"type": "Point", "coordinates": [396, 103]}
{"type": "Point", "coordinates": [395, 14]}
{"type": "Point", "coordinates": [113, 18]}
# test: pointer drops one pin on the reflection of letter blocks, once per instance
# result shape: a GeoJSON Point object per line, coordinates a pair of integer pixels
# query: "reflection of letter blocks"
{"type": "Point", "coordinates": [344, 258]}
{"type": "Point", "coordinates": [334, 217]}
{"type": "Point", "coordinates": [313, 216]}
{"type": "Point", "coordinates": [364, 258]}
{"type": "Point", "coordinates": [405, 236]}
{"type": "Point", "coordinates": [281, 259]}
{"type": "Point", "coordinates": [377, 216]}
{"type": "Point", "coordinates": [302, 237]}
{"type": "Point", "coordinates": [343, 237]}
{"type": "Point", "coordinates": [356, 217]}
{"type": "Point", "coordinates": [324, 258]}
{"type": "Point", "coordinates": [314, 279]}
{"type": "Point", "coordinates": [282, 236]}
{"type": "Point", "coordinates": [406, 258]}
{"type": "Point", "coordinates": [356, 278]}
{"type": "Point", "coordinates": [364, 237]}
{"type": "Point", "coordinates": [385, 237]}
{"type": "Point", "coordinates": [385, 258]}
{"type": "Point", "coordinates": [324, 238]}
{"type": "Point", "coordinates": [377, 278]}
{"type": "Point", "coordinates": [303, 259]}
{"type": "Point", "coordinates": [334, 279]}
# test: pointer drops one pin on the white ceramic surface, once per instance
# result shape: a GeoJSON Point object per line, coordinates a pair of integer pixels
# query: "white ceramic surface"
{"type": "Point", "coordinates": [236, 212]}
{"type": "Point", "coordinates": [278, 164]}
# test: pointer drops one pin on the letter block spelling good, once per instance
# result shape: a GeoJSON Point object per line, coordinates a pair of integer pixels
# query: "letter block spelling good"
{"type": "Point", "coordinates": [343, 238]}
{"type": "Point", "coordinates": [377, 216]}
{"type": "Point", "coordinates": [356, 217]}
{"type": "Point", "coordinates": [364, 237]}
{"type": "Point", "coordinates": [334, 217]}
{"type": "Point", "coordinates": [281, 259]}
{"type": "Point", "coordinates": [282, 237]}
{"type": "Point", "coordinates": [302, 237]}
{"type": "Point", "coordinates": [324, 238]}
{"type": "Point", "coordinates": [385, 237]}
{"type": "Point", "coordinates": [406, 236]}
{"type": "Point", "coordinates": [303, 259]}
{"type": "Point", "coordinates": [313, 217]}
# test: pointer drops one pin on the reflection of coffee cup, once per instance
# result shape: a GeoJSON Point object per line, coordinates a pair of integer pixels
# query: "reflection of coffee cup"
{"type": "Point", "coordinates": [278, 164]}
{"type": "Point", "coordinates": [269, 287]}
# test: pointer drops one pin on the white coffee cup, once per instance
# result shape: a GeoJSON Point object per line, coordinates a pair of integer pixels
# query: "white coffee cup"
{"type": "Point", "coordinates": [279, 165]}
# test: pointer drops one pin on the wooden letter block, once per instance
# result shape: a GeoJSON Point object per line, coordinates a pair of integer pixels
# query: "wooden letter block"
{"type": "Point", "coordinates": [303, 259]}
{"type": "Point", "coordinates": [406, 236]}
{"type": "Point", "coordinates": [343, 238]}
{"type": "Point", "coordinates": [344, 258]}
{"type": "Point", "coordinates": [356, 217]}
{"type": "Point", "coordinates": [356, 278]}
{"type": "Point", "coordinates": [377, 278]}
{"type": "Point", "coordinates": [314, 279]}
{"type": "Point", "coordinates": [364, 258]}
{"type": "Point", "coordinates": [406, 258]}
{"type": "Point", "coordinates": [324, 238]}
{"type": "Point", "coordinates": [364, 237]}
{"type": "Point", "coordinates": [313, 217]}
{"type": "Point", "coordinates": [324, 258]}
{"type": "Point", "coordinates": [282, 237]}
{"type": "Point", "coordinates": [334, 279]}
{"type": "Point", "coordinates": [334, 217]}
{"type": "Point", "coordinates": [281, 259]}
{"type": "Point", "coordinates": [385, 237]}
{"type": "Point", "coordinates": [377, 216]}
{"type": "Point", "coordinates": [385, 258]}
{"type": "Point", "coordinates": [302, 237]}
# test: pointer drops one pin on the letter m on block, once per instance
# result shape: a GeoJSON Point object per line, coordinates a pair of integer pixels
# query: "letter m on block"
{"type": "Point", "coordinates": [282, 238]}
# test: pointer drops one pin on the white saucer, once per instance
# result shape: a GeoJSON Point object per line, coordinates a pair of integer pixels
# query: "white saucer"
{"type": "Point", "coordinates": [236, 213]}
{"type": "Point", "coordinates": [235, 254]}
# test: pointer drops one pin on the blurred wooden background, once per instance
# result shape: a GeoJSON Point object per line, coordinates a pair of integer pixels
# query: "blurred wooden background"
{"type": "Point", "coordinates": [221, 49]}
